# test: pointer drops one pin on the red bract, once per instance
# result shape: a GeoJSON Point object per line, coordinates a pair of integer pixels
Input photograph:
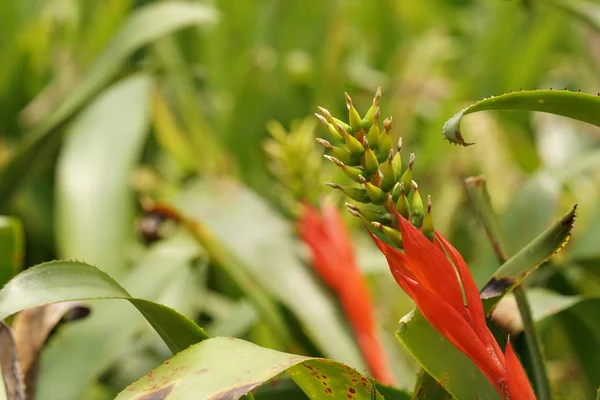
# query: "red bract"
{"type": "Point", "coordinates": [333, 258]}
{"type": "Point", "coordinates": [424, 272]}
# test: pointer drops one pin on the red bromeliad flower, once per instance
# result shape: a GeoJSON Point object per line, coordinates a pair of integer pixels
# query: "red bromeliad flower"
{"type": "Point", "coordinates": [424, 272]}
{"type": "Point", "coordinates": [333, 259]}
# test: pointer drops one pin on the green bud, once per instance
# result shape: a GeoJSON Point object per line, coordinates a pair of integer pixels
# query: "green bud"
{"type": "Point", "coordinates": [417, 209]}
{"type": "Point", "coordinates": [354, 116]}
{"type": "Point", "coordinates": [402, 204]}
{"type": "Point", "coordinates": [332, 131]}
{"type": "Point", "coordinates": [353, 144]}
{"type": "Point", "coordinates": [373, 134]}
{"type": "Point", "coordinates": [370, 115]}
{"type": "Point", "coordinates": [356, 194]}
{"type": "Point", "coordinates": [396, 192]}
{"type": "Point", "coordinates": [388, 174]}
{"type": "Point", "coordinates": [334, 121]}
{"type": "Point", "coordinates": [371, 163]}
{"type": "Point", "coordinates": [385, 139]}
{"type": "Point", "coordinates": [393, 235]}
{"type": "Point", "coordinates": [371, 213]}
{"type": "Point", "coordinates": [407, 176]}
{"type": "Point", "coordinates": [343, 155]}
{"type": "Point", "coordinates": [428, 228]}
{"type": "Point", "coordinates": [397, 161]}
{"type": "Point", "coordinates": [376, 195]}
{"type": "Point", "coordinates": [354, 173]}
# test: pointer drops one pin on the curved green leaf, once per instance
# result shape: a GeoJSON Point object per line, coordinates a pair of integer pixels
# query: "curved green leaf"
{"type": "Point", "coordinates": [81, 352]}
{"type": "Point", "coordinates": [581, 106]}
{"type": "Point", "coordinates": [11, 248]}
{"type": "Point", "coordinates": [228, 368]}
{"type": "Point", "coordinates": [513, 271]}
{"type": "Point", "coordinates": [58, 281]}
{"type": "Point", "coordinates": [142, 27]}
{"type": "Point", "coordinates": [442, 360]}
{"type": "Point", "coordinates": [94, 201]}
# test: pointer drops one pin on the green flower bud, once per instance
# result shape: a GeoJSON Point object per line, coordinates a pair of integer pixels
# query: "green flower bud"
{"type": "Point", "coordinates": [428, 229]}
{"type": "Point", "coordinates": [373, 133]}
{"type": "Point", "coordinates": [396, 192]}
{"type": "Point", "coordinates": [407, 176]}
{"type": "Point", "coordinates": [393, 235]}
{"type": "Point", "coordinates": [371, 213]}
{"type": "Point", "coordinates": [402, 204]}
{"type": "Point", "coordinates": [353, 144]}
{"type": "Point", "coordinates": [397, 161]}
{"type": "Point", "coordinates": [354, 116]}
{"type": "Point", "coordinates": [385, 139]}
{"type": "Point", "coordinates": [376, 195]}
{"type": "Point", "coordinates": [354, 173]}
{"type": "Point", "coordinates": [334, 121]}
{"type": "Point", "coordinates": [371, 163]}
{"type": "Point", "coordinates": [356, 194]}
{"type": "Point", "coordinates": [417, 209]}
{"type": "Point", "coordinates": [343, 155]}
{"type": "Point", "coordinates": [332, 131]}
{"type": "Point", "coordinates": [388, 174]}
{"type": "Point", "coordinates": [370, 115]}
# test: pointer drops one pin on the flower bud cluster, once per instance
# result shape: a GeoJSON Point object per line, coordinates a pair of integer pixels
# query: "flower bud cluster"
{"type": "Point", "coordinates": [364, 152]}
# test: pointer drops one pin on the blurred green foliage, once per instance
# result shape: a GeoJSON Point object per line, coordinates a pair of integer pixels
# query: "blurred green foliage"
{"type": "Point", "coordinates": [101, 103]}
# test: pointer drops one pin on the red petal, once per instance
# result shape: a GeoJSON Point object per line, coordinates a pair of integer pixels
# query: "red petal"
{"type": "Point", "coordinates": [397, 263]}
{"type": "Point", "coordinates": [453, 327]}
{"type": "Point", "coordinates": [473, 299]}
{"type": "Point", "coordinates": [323, 256]}
{"type": "Point", "coordinates": [518, 384]}
{"type": "Point", "coordinates": [430, 265]}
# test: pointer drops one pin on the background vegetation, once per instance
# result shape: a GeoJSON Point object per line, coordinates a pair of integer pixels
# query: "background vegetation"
{"type": "Point", "coordinates": [103, 103]}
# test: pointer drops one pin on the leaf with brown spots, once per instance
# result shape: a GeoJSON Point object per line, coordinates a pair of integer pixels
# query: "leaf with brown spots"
{"type": "Point", "coordinates": [224, 368]}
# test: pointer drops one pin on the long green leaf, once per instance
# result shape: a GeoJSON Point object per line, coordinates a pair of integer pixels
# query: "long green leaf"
{"type": "Point", "coordinates": [94, 201]}
{"type": "Point", "coordinates": [59, 281]}
{"type": "Point", "coordinates": [142, 27]}
{"type": "Point", "coordinates": [227, 368]}
{"type": "Point", "coordinates": [527, 259]}
{"type": "Point", "coordinates": [11, 248]}
{"type": "Point", "coordinates": [82, 352]}
{"type": "Point", "coordinates": [580, 106]}
{"type": "Point", "coordinates": [442, 360]}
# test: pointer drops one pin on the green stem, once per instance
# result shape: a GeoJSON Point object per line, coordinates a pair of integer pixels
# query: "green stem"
{"type": "Point", "coordinates": [476, 187]}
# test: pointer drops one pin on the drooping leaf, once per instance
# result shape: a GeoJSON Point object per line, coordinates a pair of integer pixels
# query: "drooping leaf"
{"type": "Point", "coordinates": [82, 351]}
{"type": "Point", "coordinates": [13, 384]}
{"type": "Point", "coordinates": [94, 201]}
{"type": "Point", "coordinates": [59, 281]}
{"type": "Point", "coordinates": [228, 368]}
{"type": "Point", "coordinates": [11, 248]}
{"type": "Point", "coordinates": [580, 106]}
{"type": "Point", "coordinates": [442, 360]}
{"type": "Point", "coordinates": [142, 27]}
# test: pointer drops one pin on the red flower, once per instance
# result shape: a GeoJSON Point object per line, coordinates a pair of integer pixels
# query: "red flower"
{"type": "Point", "coordinates": [424, 272]}
{"type": "Point", "coordinates": [333, 258]}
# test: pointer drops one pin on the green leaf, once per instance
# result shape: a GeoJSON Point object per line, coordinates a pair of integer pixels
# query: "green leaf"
{"type": "Point", "coordinates": [442, 360]}
{"type": "Point", "coordinates": [11, 248]}
{"type": "Point", "coordinates": [59, 281]}
{"type": "Point", "coordinates": [227, 368]}
{"type": "Point", "coordinates": [96, 336]}
{"type": "Point", "coordinates": [427, 388]}
{"type": "Point", "coordinates": [254, 233]}
{"type": "Point", "coordinates": [94, 201]}
{"type": "Point", "coordinates": [528, 259]}
{"type": "Point", "coordinates": [580, 106]}
{"type": "Point", "coordinates": [142, 27]}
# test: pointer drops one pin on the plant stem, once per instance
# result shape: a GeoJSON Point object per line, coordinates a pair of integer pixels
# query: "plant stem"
{"type": "Point", "coordinates": [480, 199]}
